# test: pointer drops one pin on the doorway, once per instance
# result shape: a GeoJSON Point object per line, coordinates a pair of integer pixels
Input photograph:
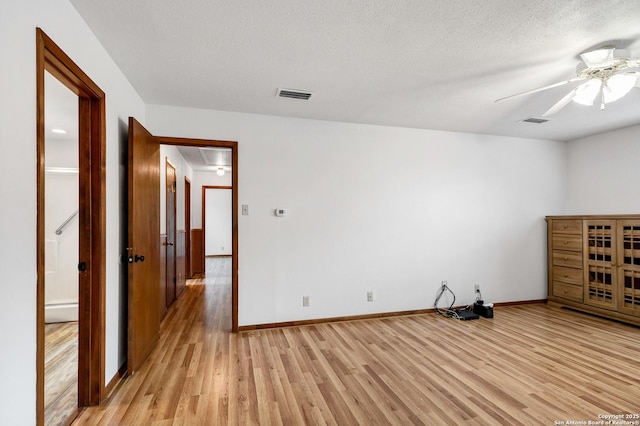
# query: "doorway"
{"type": "Point", "coordinates": [187, 227]}
{"type": "Point", "coordinates": [61, 252]}
{"type": "Point", "coordinates": [88, 281]}
{"type": "Point", "coordinates": [143, 244]}
{"type": "Point", "coordinates": [233, 147]}
{"type": "Point", "coordinates": [216, 221]}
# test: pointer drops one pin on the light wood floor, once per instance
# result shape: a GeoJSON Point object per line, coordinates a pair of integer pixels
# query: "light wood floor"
{"type": "Point", "coordinates": [60, 372]}
{"type": "Point", "coordinates": [529, 365]}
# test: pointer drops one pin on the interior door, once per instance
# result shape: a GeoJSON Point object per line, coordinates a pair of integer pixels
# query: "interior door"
{"type": "Point", "coordinates": [143, 244]}
{"type": "Point", "coordinates": [187, 228]}
{"type": "Point", "coordinates": [171, 234]}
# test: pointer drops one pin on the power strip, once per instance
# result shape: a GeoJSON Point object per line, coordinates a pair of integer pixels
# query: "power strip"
{"type": "Point", "coordinates": [482, 310]}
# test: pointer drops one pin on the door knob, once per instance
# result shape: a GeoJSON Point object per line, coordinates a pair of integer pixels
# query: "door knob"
{"type": "Point", "coordinates": [169, 243]}
{"type": "Point", "coordinates": [82, 267]}
{"type": "Point", "coordinates": [138, 258]}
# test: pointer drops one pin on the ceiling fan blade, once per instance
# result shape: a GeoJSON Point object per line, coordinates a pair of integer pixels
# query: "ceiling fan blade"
{"type": "Point", "coordinates": [561, 103]}
{"type": "Point", "coordinates": [635, 74]}
{"type": "Point", "coordinates": [540, 89]}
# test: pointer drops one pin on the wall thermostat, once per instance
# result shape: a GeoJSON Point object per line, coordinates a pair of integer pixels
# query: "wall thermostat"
{"type": "Point", "coordinates": [281, 212]}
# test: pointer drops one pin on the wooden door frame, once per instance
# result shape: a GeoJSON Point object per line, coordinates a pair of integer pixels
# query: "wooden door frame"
{"type": "Point", "coordinates": [233, 145]}
{"type": "Point", "coordinates": [92, 130]}
{"type": "Point", "coordinates": [171, 239]}
{"type": "Point", "coordinates": [187, 227]}
{"type": "Point", "coordinates": [204, 215]}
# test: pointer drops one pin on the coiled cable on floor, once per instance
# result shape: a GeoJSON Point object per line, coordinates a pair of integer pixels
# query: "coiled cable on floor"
{"type": "Point", "coordinates": [446, 312]}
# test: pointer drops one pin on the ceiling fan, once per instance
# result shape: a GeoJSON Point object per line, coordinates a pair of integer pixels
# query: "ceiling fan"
{"type": "Point", "coordinates": [606, 71]}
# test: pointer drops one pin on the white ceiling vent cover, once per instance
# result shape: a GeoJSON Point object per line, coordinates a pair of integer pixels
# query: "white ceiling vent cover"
{"type": "Point", "coordinates": [216, 156]}
{"type": "Point", "coordinates": [534, 120]}
{"type": "Point", "coordinates": [294, 94]}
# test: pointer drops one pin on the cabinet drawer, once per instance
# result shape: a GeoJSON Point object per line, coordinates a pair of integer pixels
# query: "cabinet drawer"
{"type": "Point", "coordinates": [567, 275]}
{"type": "Point", "coordinates": [572, 259]}
{"type": "Point", "coordinates": [567, 242]}
{"type": "Point", "coordinates": [567, 291]}
{"type": "Point", "coordinates": [567, 226]}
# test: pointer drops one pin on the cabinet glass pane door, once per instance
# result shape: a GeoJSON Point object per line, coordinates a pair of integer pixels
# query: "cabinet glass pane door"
{"type": "Point", "coordinates": [600, 291]}
{"type": "Point", "coordinates": [629, 260]}
{"type": "Point", "coordinates": [600, 271]}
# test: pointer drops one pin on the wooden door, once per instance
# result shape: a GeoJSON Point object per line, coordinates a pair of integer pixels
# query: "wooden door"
{"type": "Point", "coordinates": [171, 234]}
{"type": "Point", "coordinates": [600, 273]}
{"type": "Point", "coordinates": [628, 233]}
{"type": "Point", "coordinates": [187, 226]}
{"type": "Point", "coordinates": [143, 244]}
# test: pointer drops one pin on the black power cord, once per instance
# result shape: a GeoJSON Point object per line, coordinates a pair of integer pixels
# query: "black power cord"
{"type": "Point", "coordinates": [447, 312]}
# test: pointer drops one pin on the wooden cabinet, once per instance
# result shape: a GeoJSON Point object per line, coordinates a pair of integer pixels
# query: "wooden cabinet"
{"type": "Point", "coordinates": [600, 264]}
{"type": "Point", "coordinates": [565, 259]}
{"type": "Point", "coordinates": [594, 264]}
{"type": "Point", "coordinates": [628, 246]}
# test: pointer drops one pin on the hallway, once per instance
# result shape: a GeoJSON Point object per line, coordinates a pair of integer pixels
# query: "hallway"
{"type": "Point", "coordinates": [190, 360]}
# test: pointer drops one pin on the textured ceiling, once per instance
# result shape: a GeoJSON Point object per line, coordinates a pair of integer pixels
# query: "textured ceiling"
{"type": "Point", "coordinates": [216, 158]}
{"type": "Point", "coordinates": [412, 63]}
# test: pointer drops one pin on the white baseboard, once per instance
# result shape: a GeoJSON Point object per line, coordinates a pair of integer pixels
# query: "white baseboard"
{"type": "Point", "coordinates": [62, 312]}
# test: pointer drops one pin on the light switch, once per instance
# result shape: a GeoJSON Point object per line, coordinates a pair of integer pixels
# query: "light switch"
{"type": "Point", "coordinates": [245, 209]}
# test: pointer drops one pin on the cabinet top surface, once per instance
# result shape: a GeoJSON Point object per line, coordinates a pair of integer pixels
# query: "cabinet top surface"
{"type": "Point", "coordinates": [595, 216]}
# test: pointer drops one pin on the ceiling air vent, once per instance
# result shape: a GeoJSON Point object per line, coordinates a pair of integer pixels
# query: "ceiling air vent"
{"type": "Point", "coordinates": [534, 120]}
{"type": "Point", "coordinates": [294, 94]}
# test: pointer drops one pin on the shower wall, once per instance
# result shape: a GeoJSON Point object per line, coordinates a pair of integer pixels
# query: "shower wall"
{"type": "Point", "coordinates": [61, 251]}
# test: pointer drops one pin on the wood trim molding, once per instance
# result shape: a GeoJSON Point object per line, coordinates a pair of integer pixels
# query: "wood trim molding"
{"type": "Point", "coordinates": [365, 317]}
{"type": "Point", "coordinates": [167, 140]}
{"type": "Point", "coordinates": [187, 227]}
{"type": "Point", "coordinates": [92, 141]}
{"type": "Point", "coordinates": [522, 302]}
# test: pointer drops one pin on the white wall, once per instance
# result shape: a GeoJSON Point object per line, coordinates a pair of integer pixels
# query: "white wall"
{"type": "Point", "coordinates": [61, 251]}
{"type": "Point", "coordinates": [382, 209]}
{"type": "Point", "coordinates": [218, 235]}
{"type": "Point", "coordinates": [200, 179]}
{"type": "Point", "coordinates": [604, 173]}
{"type": "Point", "coordinates": [58, 18]}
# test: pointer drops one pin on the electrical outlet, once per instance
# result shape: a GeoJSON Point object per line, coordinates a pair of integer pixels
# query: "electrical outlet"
{"type": "Point", "coordinates": [444, 284]}
{"type": "Point", "coordinates": [305, 301]}
{"type": "Point", "coordinates": [476, 288]}
{"type": "Point", "coordinates": [369, 296]}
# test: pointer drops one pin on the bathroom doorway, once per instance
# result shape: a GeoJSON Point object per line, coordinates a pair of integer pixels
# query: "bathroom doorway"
{"type": "Point", "coordinates": [70, 236]}
{"type": "Point", "coordinates": [61, 252]}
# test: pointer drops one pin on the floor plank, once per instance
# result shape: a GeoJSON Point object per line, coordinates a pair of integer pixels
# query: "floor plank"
{"type": "Point", "coordinates": [60, 372]}
{"type": "Point", "coordinates": [531, 364]}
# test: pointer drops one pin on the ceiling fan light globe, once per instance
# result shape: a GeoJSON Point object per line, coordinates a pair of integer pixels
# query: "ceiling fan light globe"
{"type": "Point", "coordinates": [600, 58]}
{"type": "Point", "coordinates": [587, 92]}
{"type": "Point", "coordinates": [618, 86]}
